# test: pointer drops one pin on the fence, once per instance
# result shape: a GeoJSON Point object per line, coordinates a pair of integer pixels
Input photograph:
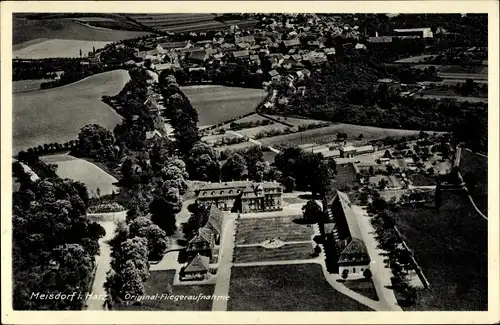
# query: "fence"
{"type": "Point", "coordinates": [417, 268]}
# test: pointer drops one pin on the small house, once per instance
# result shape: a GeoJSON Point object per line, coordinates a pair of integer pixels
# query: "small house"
{"type": "Point", "coordinates": [196, 269]}
{"type": "Point", "coordinates": [275, 75]}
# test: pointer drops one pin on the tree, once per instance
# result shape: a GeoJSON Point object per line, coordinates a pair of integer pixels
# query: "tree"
{"type": "Point", "coordinates": [382, 185]}
{"type": "Point", "coordinates": [164, 208]}
{"type": "Point", "coordinates": [387, 154]}
{"type": "Point", "coordinates": [235, 168]}
{"type": "Point", "coordinates": [156, 237]}
{"type": "Point", "coordinates": [202, 163]}
{"type": "Point", "coordinates": [367, 274]}
{"type": "Point", "coordinates": [94, 141]}
{"type": "Point", "coordinates": [53, 243]}
{"type": "Point", "coordinates": [371, 171]}
{"type": "Point", "coordinates": [313, 213]}
{"type": "Point", "coordinates": [289, 184]}
{"type": "Point", "coordinates": [345, 274]}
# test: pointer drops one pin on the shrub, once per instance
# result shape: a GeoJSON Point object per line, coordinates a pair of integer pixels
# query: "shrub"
{"type": "Point", "coordinates": [367, 274]}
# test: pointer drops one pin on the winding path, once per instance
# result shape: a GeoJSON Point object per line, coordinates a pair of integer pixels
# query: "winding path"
{"type": "Point", "coordinates": [108, 221]}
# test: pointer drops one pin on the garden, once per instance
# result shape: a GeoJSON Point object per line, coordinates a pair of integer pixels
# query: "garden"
{"type": "Point", "coordinates": [257, 230]}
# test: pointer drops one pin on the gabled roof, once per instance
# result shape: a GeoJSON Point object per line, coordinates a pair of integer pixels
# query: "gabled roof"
{"type": "Point", "coordinates": [356, 246]}
{"type": "Point", "coordinates": [198, 264]}
{"type": "Point", "coordinates": [198, 55]}
{"type": "Point", "coordinates": [341, 200]}
{"type": "Point", "coordinates": [291, 42]}
{"type": "Point", "coordinates": [215, 219]}
{"type": "Point", "coordinates": [173, 45]}
{"type": "Point", "coordinates": [206, 234]}
{"type": "Point", "coordinates": [241, 54]}
{"type": "Point", "coordinates": [273, 73]}
{"type": "Point", "coordinates": [245, 39]}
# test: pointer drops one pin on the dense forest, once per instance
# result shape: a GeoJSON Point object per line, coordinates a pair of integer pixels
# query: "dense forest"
{"type": "Point", "coordinates": [54, 243]}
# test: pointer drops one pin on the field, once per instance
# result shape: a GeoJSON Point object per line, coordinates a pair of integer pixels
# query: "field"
{"type": "Point", "coordinates": [65, 110]}
{"type": "Point", "coordinates": [415, 59]}
{"type": "Point", "coordinates": [257, 230]}
{"type": "Point", "coordinates": [329, 134]}
{"type": "Point", "coordinates": [283, 253]}
{"type": "Point", "coordinates": [64, 37]}
{"type": "Point", "coordinates": [286, 288]}
{"type": "Point", "coordinates": [161, 282]}
{"type": "Point", "coordinates": [458, 98]}
{"type": "Point", "coordinates": [295, 121]}
{"type": "Point", "coordinates": [182, 22]}
{"type": "Point", "coordinates": [81, 170]}
{"type": "Point", "coordinates": [251, 132]}
{"type": "Point", "coordinates": [57, 48]}
{"type": "Point", "coordinates": [216, 104]}
{"type": "Point", "coordinates": [20, 86]}
{"type": "Point", "coordinates": [451, 247]}
{"type": "Point", "coordinates": [64, 28]}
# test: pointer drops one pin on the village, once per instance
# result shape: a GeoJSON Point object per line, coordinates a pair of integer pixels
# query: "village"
{"type": "Point", "coordinates": [267, 198]}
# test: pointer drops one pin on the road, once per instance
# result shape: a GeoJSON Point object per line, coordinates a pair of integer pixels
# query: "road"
{"type": "Point", "coordinates": [382, 274]}
{"type": "Point", "coordinates": [33, 176]}
{"type": "Point", "coordinates": [225, 263]}
{"type": "Point", "coordinates": [103, 261]}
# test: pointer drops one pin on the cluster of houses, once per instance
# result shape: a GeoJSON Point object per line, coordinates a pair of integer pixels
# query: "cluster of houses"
{"type": "Point", "coordinates": [237, 197]}
{"type": "Point", "coordinates": [286, 45]}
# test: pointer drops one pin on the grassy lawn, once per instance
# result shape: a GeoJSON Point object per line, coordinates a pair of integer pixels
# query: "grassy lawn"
{"type": "Point", "coordinates": [257, 230]}
{"type": "Point", "coordinates": [363, 287]}
{"type": "Point", "coordinates": [329, 135]}
{"type": "Point", "coordinates": [286, 288]}
{"type": "Point", "coordinates": [81, 170]}
{"type": "Point", "coordinates": [451, 247]}
{"type": "Point", "coordinates": [283, 253]}
{"type": "Point", "coordinates": [65, 110]}
{"type": "Point", "coordinates": [216, 104]}
{"type": "Point", "coordinates": [161, 282]}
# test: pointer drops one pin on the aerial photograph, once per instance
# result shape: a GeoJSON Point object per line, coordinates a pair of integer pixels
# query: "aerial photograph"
{"type": "Point", "coordinates": [249, 162]}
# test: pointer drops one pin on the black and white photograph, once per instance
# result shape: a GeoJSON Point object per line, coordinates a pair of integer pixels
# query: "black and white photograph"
{"type": "Point", "coordinates": [249, 161]}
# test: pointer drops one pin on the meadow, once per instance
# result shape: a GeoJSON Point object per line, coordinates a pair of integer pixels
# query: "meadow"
{"type": "Point", "coordinates": [329, 134]}
{"type": "Point", "coordinates": [216, 104]}
{"type": "Point", "coordinates": [96, 179]}
{"type": "Point", "coordinates": [65, 110]}
{"type": "Point", "coordinates": [63, 37]}
{"type": "Point", "coordinates": [20, 86]}
{"type": "Point", "coordinates": [300, 287]}
{"type": "Point", "coordinates": [451, 247]}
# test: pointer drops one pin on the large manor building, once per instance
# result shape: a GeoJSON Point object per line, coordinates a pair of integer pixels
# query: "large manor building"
{"type": "Point", "coordinates": [242, 196]}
